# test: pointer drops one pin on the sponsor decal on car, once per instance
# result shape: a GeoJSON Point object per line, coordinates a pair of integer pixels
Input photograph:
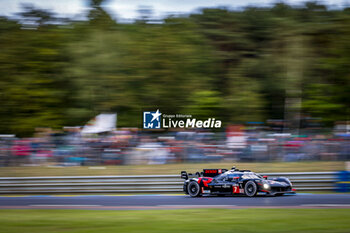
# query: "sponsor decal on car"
{"type": "Point", "coordinates": [235, 189]}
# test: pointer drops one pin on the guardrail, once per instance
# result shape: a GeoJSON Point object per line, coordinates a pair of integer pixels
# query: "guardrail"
{"type": "Point", "coordinates": [302, 181]}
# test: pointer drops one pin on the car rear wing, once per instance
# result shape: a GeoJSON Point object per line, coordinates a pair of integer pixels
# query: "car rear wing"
{"type": "Point", "coordinates": [205, 172]}
{"type": "Point", "coordinates": [213, 172]}
{"type": "Point", "coordinates": [184, 175]}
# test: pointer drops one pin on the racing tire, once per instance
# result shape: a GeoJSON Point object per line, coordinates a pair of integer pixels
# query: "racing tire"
{"type": "Point", "coordinates": [194, 189]}
{"type": "Point", "coordinates": [250, 189]}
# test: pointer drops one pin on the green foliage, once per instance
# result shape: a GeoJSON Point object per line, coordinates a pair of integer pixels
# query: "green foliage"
{"type": "Point", "coordinates": [176, 220]}
{"type": "Point", "coordinates": [205, 104]}
{"type": "Point", "coordinates": [233, 65]}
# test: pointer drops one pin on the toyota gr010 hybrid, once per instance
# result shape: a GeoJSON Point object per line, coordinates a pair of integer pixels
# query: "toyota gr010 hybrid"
{"type": "Point", "coordinates": [223, 182]}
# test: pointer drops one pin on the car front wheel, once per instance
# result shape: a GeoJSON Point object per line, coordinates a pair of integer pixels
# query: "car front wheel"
{"type": "Point", "coordinates": [250, 189]}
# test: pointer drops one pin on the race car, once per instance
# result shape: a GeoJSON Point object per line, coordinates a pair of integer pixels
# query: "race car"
{"type": "Point", "coordinates": [224, 182]}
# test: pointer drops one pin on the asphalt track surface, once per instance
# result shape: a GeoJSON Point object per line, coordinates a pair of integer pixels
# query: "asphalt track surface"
{"type": "Point", "coordinates": [170, 201]}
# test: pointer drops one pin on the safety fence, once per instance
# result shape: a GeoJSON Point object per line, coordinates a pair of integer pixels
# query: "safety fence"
{"type": "Point", "coordinates": [302, 181]}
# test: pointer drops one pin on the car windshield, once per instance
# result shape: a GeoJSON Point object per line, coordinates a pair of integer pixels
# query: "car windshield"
{"type": "Point", "coordinates": [234, 175]}
{"type": "Point", "coordinates": [230, 176]}
{"type": "Point", "coordinates": [221, 176]}
{"type": "Point", "coordinates": [251, 175]}
{"type": "Point", "coordinates": [245, 175]}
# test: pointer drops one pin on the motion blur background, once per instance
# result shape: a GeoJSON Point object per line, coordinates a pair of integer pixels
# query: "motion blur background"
{"type": "Point", "coordinates": [76, 76]}
{"type": "Point", "coordinates": [276, 75]}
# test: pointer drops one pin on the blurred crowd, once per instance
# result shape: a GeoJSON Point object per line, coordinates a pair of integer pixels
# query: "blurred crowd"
{"type": "Point", "coordinates": [130, 146]}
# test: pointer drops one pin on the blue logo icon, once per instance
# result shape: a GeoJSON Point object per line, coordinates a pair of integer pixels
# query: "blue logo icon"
{"type": "Point", "coordinates": [151, 120]}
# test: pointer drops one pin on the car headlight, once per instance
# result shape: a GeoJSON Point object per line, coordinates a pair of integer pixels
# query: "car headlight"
{"type": "Point", "coordinates": [266, 186]}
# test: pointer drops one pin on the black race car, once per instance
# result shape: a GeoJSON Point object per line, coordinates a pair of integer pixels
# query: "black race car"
{"type": "Point", "coordinates": [223, 182]}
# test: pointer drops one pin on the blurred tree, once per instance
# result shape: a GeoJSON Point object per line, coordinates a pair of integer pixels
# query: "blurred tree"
{"type": "Point", "coordinates": [98, 17]}
{"type": "Point", "coordinates": [326, 95]}
{"type": "Point", "coordinates": [205, 104]}
{"type": "Point", "coordinates": [32, 83]}
{"type": "Point", "coordinates": [36, 17]}
{"type": "Point", "coordinates": [138, 68]}
{"type": "Point", "coordinates": [144, 14]}
{"type": "Point", "coordinates": [248, 65]}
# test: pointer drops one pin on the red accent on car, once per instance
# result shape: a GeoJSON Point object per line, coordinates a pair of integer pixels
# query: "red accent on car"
{"type": "Point", "coordinates": [294, 190]}
{"type": "Point", "coordinates": [235, 189]}
{"type": "Point", "coordinates": [205, 180]}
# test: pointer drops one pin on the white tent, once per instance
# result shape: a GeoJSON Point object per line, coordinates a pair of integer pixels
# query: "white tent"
{"type": "Point", "coordinates": [101, 123]}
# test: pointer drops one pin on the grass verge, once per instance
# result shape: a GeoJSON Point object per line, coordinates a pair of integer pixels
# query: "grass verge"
{"type": "Point", "coordinates": [189, 220]}
{"type": "Point", "coordinates": [169, 168]}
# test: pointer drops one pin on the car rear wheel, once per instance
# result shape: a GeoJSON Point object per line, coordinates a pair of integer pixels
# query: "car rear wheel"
{"type": "Point", "coordinates": [250, 189]}
{"type": "Point", "coordinates": [193, 189]}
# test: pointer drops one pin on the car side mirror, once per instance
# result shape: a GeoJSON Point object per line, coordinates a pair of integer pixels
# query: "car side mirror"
{"type": "Point", "coordinates": [265, 177]}
{"type": "Point", "coordinates": [236, 177]}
